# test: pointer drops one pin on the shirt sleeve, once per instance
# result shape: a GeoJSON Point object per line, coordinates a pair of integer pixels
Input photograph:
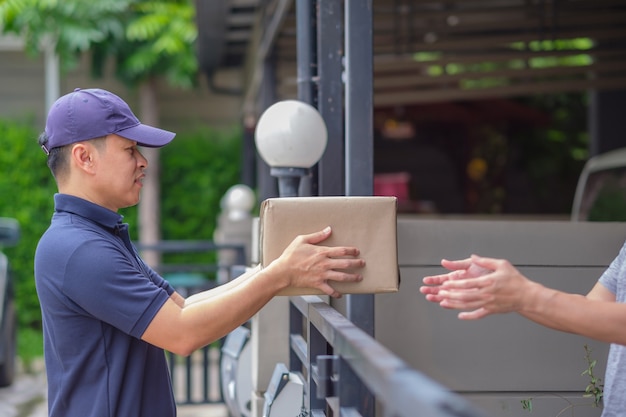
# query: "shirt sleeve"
{"type": "Point", "coordinates": [109, 283]}
{"type": "Point", "coordinates": [609, 278]}
{"type": "Point", "coordinates": [159, 280]}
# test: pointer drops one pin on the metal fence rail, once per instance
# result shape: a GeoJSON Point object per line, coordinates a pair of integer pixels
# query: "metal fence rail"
{"type": "Point", "coordinates": [237, 255]}
{"type": "Point", "coordinates": [325, 347]}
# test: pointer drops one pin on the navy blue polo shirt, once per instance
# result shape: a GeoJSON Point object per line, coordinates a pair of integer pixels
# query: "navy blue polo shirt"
{"type": "Point", "coordinates": [97, 299]}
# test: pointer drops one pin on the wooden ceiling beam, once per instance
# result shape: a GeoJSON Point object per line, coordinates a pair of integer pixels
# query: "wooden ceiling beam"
{"type": "Point", "coordinates": [406, 82]}
{"type": "Point", "coordinates": [551, 87]}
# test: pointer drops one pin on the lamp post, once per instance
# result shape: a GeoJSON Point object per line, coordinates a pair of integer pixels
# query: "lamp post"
{"type": "Point", "coordinates": [291, 137]}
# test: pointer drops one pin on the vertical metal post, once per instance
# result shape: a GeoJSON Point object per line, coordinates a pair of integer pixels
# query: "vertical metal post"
{"type": "Point", "coordinates": [330, 95]}
{"type": "Point", "coordinates": [359, 129]}
{"type": "Point", "coordinates": [307, 71]}
{"type": "Point", "coordinates": [316, 346]}
{"type": "Point", "coordinates": [306, 27]}
{"type": "Point", "coordinates": [267, 184]}
{"type": "Point", "coordinates": [305, 38]}
{"type": "Point", "coordinates": [359, 167]}
{"type": "Point", "coordinates": [359, 98]}
{"type": "Point", "coordinates": [296, 326]}
{"type": "Point", "coordinates": [248, 155]}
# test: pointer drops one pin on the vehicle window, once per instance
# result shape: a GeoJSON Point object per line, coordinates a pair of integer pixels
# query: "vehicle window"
{"type": "Point", "coordinates": [604, 196]}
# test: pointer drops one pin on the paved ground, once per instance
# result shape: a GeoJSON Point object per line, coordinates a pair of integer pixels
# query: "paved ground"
{"type": "Point", "coordinates": [202, 411]}
{"type": "Point", "coordinates": [27, 398]}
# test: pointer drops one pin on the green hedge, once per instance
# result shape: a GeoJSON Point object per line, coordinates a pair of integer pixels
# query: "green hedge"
{"type": "Point", "coordinates": [26, 187]}
{"type": "Point", "coordinates": [197, 169]}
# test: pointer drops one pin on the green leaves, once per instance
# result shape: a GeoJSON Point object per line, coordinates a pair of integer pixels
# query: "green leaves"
{"type": "Point", "coordinates": [145, 38]}
{"type": "Point", "coordinates": [527, 404]}
{"type": "Point", "coordinates": [70, 26]}
{"type": "Point", "coordinates": [25, 177]}
{"type": "Point", "coordinates": [595, 388]}
{"type": "Point", "coordinates": [160, 38]}
{"type": "Point", "coordinates": [196, 170]}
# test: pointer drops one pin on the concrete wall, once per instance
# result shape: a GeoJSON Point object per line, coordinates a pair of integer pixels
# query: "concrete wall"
{"type": "Point", "coordinates": [22, 94]}
{"type": "Point", "coordinates": [22, 86]}
{"type": "Point", "coordinates": [499, 360]}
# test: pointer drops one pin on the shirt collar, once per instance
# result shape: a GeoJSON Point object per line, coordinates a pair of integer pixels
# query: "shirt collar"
{"type": "Point", "coordinates": [76, 205]}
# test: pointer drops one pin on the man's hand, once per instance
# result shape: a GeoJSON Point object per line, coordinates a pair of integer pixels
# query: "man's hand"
{"type": "Point", "coordinates": [481, 286]}
{"type": "Point", "coordinates": [306, 264]}
{"type": "Point", "coordinates": [460, 269]}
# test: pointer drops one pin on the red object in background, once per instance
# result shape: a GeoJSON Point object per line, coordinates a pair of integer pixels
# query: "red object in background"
{"type": "Point", "coordinates": [393, 184]}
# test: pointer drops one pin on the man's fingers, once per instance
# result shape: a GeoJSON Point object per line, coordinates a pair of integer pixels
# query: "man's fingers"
{"type": "Point", "coordinates": [455, 265]}
{"type": "Point", "coordinates": [486, 263]}
{"type": "Point", "coordinates": [440, 279]}
{"type": "Point", "coordinates": [471, 294]}
{"type": "Point", "coordinates": [456, 304]}
{"type": "Point", "coordinates": [339, 276]}
{"type": "Point", "coordinates": [467, 284]}
{"type": "Point", "coordinates": [466, 287]}
{"type": "Point", "coordinates": [427, 289]}
{"type": "Point", "coordinates": [317, 237]}
{"type": "Point", "coordinates": [336, 276]}
{"type": "Point", "coordinates": [433, 298]}
{"type": "Point", "coordinates": [341, 251]}
{"type": "Point", "coordinates": [333, 264]}
{"type": "Point", "coordinates": [328, 290]}
{"type": "Point", "coordinates": [474, 315]}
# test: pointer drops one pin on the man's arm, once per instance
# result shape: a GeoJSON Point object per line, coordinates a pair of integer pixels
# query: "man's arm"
{"type": "Point", "coordinates": [222, 288]}
{"type": "Point", "coordinates": [504, 289]}
{"type": "Point", "coordinates": [207, 317]}
{"type": "Point", "coordinates": [180, 301]}
{"type": "Point", "coordinates": [600, 293]}
{"type": "Point", "coordinates": [596, 315]}
{"type": "Point", "coordinates": [184, 329]}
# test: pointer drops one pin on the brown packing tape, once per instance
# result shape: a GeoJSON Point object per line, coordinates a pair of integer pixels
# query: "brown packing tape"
{"type": "Point", "coordinates": [368, 223]}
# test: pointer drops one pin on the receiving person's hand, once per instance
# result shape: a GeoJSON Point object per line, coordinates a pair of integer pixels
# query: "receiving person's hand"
{"type": "Point", "coordinates": [306, 264]}
{"type": "Point", "coordinates": [480, 286]}
{"type": "Point", "coordinates": [459, 269]}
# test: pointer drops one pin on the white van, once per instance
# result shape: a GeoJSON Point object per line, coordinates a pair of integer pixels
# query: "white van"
{"type": "Point", "coordinates": [601, 190]}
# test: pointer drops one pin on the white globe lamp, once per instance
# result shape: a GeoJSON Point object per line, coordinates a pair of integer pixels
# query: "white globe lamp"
{"type": "Point", "coordinates": [291, 137]}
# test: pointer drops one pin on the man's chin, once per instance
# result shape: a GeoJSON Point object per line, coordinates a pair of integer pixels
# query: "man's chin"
{"type": "Point", "coordinates": [131, 204]}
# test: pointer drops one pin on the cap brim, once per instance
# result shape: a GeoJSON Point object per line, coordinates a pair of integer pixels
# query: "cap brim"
{"type": "Point", "coordinates": [148, 136]}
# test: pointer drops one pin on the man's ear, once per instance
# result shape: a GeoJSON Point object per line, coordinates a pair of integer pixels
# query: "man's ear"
{"type": "Point", "coordinates": [82, 155]}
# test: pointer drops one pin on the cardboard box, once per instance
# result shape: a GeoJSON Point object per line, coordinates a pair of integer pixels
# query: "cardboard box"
{"type": "Point", "coordinates": [368, 223]}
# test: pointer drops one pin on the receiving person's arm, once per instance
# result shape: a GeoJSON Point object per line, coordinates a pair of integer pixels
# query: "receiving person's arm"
{"type": "Point", "coordinates": [501, 288]}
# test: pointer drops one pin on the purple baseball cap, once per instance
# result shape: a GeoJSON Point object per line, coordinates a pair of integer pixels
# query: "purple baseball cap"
{"type": "Point", "coordinates": [94, 113]}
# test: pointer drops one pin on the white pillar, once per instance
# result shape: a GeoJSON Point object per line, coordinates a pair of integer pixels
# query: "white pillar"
{"type": "Point", "coordinates": [52, 74]}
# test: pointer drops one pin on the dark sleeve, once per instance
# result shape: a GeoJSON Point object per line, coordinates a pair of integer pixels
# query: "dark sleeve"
{"type": "Point", "coordinates": [158, 280]}
{"type": "Point", "coordinates": [109, 285]}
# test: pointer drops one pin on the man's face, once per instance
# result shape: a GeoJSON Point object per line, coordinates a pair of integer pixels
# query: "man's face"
{"type": "Point", "coordinates": [119, 173]}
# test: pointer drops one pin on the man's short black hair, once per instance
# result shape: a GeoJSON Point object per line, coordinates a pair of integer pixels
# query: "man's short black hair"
{"type": "Point", "coordinates": [58, 158]}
